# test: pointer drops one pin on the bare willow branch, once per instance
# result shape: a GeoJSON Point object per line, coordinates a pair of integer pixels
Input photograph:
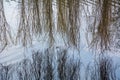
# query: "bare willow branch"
{"type": "Point", "coordinates": [35, 10]}
{"type": "Point", "coordinates": [103, 18]}
{"type": "Point", "coordinates": [74, 13]}
{"type": "Point", "coordinates": [68, 23]}
{"type": "Point", "coordinates": [24, 28]}
{"type": "Point", "coordinates": [49, 23]}
{"type": "Point", "coordinates": [5, 34]}
{"type": "Point", "coordinates": [37, 17]}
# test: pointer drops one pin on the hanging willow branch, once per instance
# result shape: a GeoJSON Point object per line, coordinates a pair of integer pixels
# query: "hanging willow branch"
{"type": "Point", "coordinates": [5, 35]}
{"type": "Point", "coordinates": [74, 13]}
{"type": "Point", "coordinates": [48, 19]}
{"type": "Point", "coordinates": [68, 20]}
{"type": "Point", "coordinates": [24, 28]}
{"type": "Point", "coordinates": [62, 18]}
{"type": "Point", "coordinates": [101, 29]}
{"type": "Point", "coordinates": [36, 16]}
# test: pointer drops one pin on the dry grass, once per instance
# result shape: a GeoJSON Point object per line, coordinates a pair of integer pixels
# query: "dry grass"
{"type": "Point", "coordinates": [73, 70]}
{"type": "Point", "coordinates": [67, 68]}
{"type": "Point", "coordinates": [37, 61]}
{"type": "Point", "coordinates": [49, 70]}
{"type": "Point", "coordinates": [62, 60]}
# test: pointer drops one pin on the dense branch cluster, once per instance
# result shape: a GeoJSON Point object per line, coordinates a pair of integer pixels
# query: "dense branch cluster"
{"type": "Point", "coordinates": [64, 17]}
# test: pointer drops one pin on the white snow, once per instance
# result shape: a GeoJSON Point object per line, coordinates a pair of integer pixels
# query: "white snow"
{"type": "Point", "coordinates": [16, 53]}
